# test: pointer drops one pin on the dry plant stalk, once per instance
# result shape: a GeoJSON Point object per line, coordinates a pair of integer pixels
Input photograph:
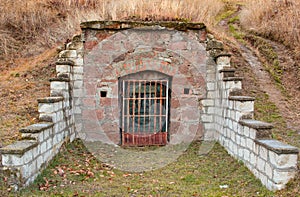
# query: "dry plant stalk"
{"type": "Point", "coordinates": [276, 19]}
{"type": "Point", "coordinates": [34, 25]}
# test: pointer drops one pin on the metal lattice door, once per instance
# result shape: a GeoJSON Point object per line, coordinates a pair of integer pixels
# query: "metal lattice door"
{"type": "Point", "coordinates": [144, 112]}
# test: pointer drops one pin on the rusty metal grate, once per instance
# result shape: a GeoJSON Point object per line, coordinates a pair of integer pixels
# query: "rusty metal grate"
{"type": "Point", "coordinates": [145, 112]}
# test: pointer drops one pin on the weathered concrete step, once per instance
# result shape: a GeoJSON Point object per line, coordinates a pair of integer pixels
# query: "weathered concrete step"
{"type": "Point", "coordinates": [277, 146]}
{"type": "Point", "coordinates": [241, 98]}
{"type": "Point", "coordinates": [263, 129]}
{"type": "Point", "coordinates": [255, 124]}
{"type": "Point", "coordinates": [68, 62]}
{"type": "Point", "coordinates": [233, 79]}
{"type": "Point", "coordinates": [52, 99]}
{"type": "Point", "coordinates": [19, 147]}
{"type": "Point", "coordinates": [227, 72]}
{"type": "Point", "coordinates": [36, 128]}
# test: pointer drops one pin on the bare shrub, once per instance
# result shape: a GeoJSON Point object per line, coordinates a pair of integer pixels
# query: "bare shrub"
{"type": "Point", "coordinates": [276, 19]}
{"type": "Point", "coordinates": [30, 26]}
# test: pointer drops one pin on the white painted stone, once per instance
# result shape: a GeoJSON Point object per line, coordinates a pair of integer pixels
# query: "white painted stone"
{"type": "Point", "coordinates": [243, 142]}
{"type": "Point", "coordinates": [263, 178]}
{"type": "Point", "coordinates": [78, 84]}
{"type": "Point", "coordinates": [235, 149]}
{"type": "Point", "coordinates": [263, 153]}
{"type": "Point", "coordinates": [241, 152]}
{"type": "Point", "coordinates": [46, 108]}
{"type": "Point", "coordinates": [283, 160]}
{"type": "Point", "coordinates": [210, 86]}
{"type": "Point", "coordinates": [207, 118]}
{"type": "Point", "coordinates": [246, 131]}
{"type": "Point", "coordinates": [211, 94]}
{"type": "Point", "coordinates": [269, 170]}
{"type": "Point", "coordinates": [78, 69]}
{"type": "Point", "coordinates": [247, 155]}
{"type": "Point", "coordinates": [253, 159]}
{"type": "Point", "coordinates": [39, 161]}
{"type": "Point", "coordinates": [78, 62]}
{"type": "Point", "coordinates": [249, 143]}
{"type": "Point", "coordinates": [252, 134]}
{"type": "Point", "coordinates": [58, 85]}
{"type": "Point", "coordinates": [232, 136]}
{"type": "Point", "coordinates": [261, 164]}
{"type": "Point", "coordinates": [256, 148]}
{"type": "Point", "coordinates": [238, 139]}
{"type": "Point", "coordinates": [62, 68]}
{"type": "Point", "coordinates": [77, 76]}
{"type": "Point", "coordinates": [43, 147]}
{"type": "Point", "coordinates": [283, 177]}
{"type": "Point", "coordinates": [208, 102]}
{"type": "Point", "coordinates": [274, 187]}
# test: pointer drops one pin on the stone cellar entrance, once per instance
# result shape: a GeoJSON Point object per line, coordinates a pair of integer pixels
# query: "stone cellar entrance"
{"type": "Point", "coordinates": [144, 104]}
{"type": "Point", "coordinates": [133, 83]}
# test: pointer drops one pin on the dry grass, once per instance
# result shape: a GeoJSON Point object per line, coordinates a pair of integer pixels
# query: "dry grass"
{"type": "Point", "coordinates": [43, 23]}
{"type": "Point", "coordinates": [276, 19]}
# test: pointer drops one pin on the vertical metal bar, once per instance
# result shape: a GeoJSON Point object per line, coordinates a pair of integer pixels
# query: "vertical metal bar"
{"type": "Point", "coordinates": [128, 106]}
{"type": "Point", "coordinates": [133, 112]}
{"type": "Point", "coordinates": [155, 99]}
{"type": "Point", "coordinates": [160, 105]}
{"type": "Point", "coordinates": [145, 97]}
{"type": "Point", "coordinates": [139, 106]}
{"type": "Point", "coordinates": [123, 112]}
{"type": "Point", "coordinates": [167, 105]}
{"type": "Point", "coordinates": [150, 105]}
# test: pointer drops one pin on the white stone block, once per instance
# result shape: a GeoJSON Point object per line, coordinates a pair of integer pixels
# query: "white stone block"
{"type": "Point", "coordinates": [241, 152]}
{"type": "Point", "coordinates": [208, 102]}
{"type": "Point", "coordinates": [77, 76]}
{"type": "Point", "coordinates": [78, 84]}
{"type": "Point", "coordinates": [39, 161]}
{"type": "Point", "coordinates": [78, 69]}
{"type": "Point", "coordinates": [263, 178]}
{"type": "Point", "coordinates": [210, 86]}
{"type": "Point", "coordinates": [43, 147]}
{"type": "Point", "coordinates": [263, 153]}
{"type": "Point", "coordinates": [235, 149]}
{"type": "Point", "coordinates": [247, 155]}
{"type": "Point", "coordinates": [253, 159]}
{"type": "Point", "coordinates": [238, 139]}
{"type": "Point", "coordinates": [283, 177]}
{"type": "Point", "coordinates": [232, 136]}
{"type": "Point", "coordinates": [260, 164]}
{"type": "Point", "coordinates": [58, 85]}
{"type": "Point", "coordinates": [274, 187]}
{"type": "Point", "coordinates": [243, 142]}
{"type": "Point", "coordinates": [252, 134]}
{"type": "Point", "coordinates": [207, 118]}
{"type": "Point", "coordinates": [250, 144]}
{"type": "Point", "coordinates": [12, 160]}
{"type": "Point", "coordinates": [78, 62]}
{"type": "Point", "coordinates": [49, 143]}
{"type": "Point", "coordinates": [283, 160]}
{"type": "Point", "coordinates": [46, 108]}
{"type": "Point", "coordinates": [62, 68]}
{"type": "Point", "coordinates": [245, 106]}
{"type": "Point", "coordinates": [269, 170]}
{"type": "Point", "coordinates": [247, 131]}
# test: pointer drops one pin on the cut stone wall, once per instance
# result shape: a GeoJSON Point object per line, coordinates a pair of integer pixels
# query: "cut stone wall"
{"type": "Point", "coordinates": [24, 160]}
{"type": "Point", "coordinates": [228, 118]}
{"type": "Point", "coordinates": [211, 109]}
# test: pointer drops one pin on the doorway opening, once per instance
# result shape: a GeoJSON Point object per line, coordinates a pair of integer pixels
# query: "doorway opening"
{"type": "Point", "coordinates": [144, 111]}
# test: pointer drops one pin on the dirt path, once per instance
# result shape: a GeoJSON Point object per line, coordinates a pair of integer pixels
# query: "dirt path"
{"type": "Point", "coordinates": [287, 103]}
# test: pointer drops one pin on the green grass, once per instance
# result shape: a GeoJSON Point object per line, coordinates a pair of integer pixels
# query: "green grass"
{"type": "Point", "coordinates": [190, 175]}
